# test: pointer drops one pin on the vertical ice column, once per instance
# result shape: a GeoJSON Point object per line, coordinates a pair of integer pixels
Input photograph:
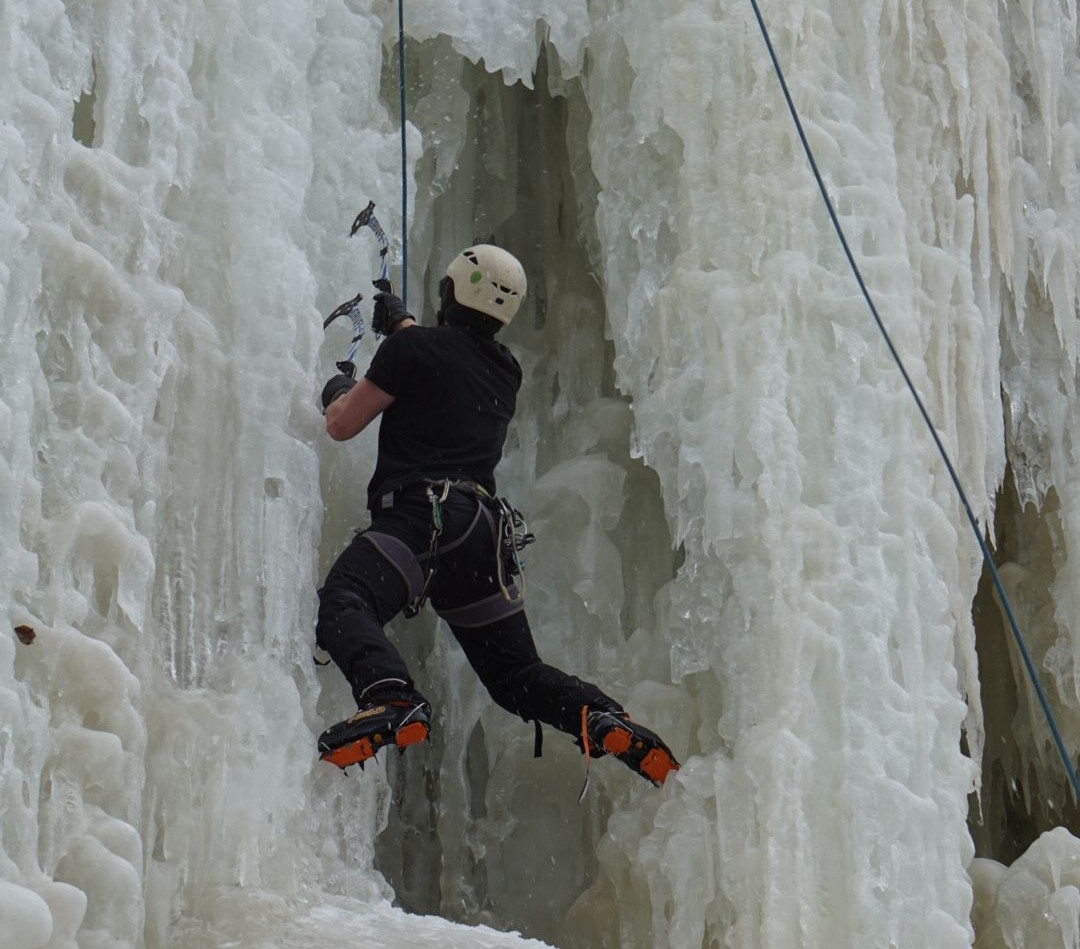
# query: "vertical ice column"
{"type": "Point", "coordinates": [822, 612]}
{"type": "Point", "coordinates": [170, 172]}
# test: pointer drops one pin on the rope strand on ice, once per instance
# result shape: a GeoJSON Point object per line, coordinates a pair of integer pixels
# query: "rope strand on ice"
{"type": "Point", "coordinates": [1013, 625]}
{"type": "Point", "coordinates": [404, 157]}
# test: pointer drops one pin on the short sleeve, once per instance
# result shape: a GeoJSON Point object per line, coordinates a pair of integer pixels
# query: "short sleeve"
{"type": "Point", "coordinates": [394, 364]}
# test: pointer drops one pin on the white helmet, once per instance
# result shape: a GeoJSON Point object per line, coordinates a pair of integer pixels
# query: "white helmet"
{"type": "Point", "coordinates": [488, 279]}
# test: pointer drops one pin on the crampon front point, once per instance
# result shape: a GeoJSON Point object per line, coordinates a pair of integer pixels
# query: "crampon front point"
{"type": "Point", "coordinates": [360, 737]}
{"type": "Point", "coordinates": [643, 751]}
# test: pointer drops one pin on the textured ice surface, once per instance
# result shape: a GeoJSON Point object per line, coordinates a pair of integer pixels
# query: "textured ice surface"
{"type": "Point", "coordinates": [1034, 902]}
{"type": "Point", "coordinates": [745, 534]}
{"type": "Point", "coordinates": [263, 920]}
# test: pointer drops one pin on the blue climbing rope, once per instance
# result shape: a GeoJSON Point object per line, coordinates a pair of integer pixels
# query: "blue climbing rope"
{"type": "Point", "coordinates": [404, 157]}
{"type": "Point", "coordinates": [1013, 625]}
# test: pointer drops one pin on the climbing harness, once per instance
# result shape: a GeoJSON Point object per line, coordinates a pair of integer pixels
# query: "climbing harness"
{"type": "Point", "coordinates": [401, 558]}
{"type": "Point", "coordinates": [972, 520]}
{"type": "Point", "coordinates": [509, 534]}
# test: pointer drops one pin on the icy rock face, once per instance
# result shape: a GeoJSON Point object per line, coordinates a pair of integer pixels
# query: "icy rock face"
{"type": "Point", "coordinates": [746, 535]}
{"type": "Point", "coordinates": [794, 469]}
{"type": "Point", "coordinates": [160, 487]}
{"type": "Point", "coordinates": [1040, 352]}
{"type": "Point", "coordinates": [755, 372]}
{"type": "Point", "coordinates": [1034, 902]}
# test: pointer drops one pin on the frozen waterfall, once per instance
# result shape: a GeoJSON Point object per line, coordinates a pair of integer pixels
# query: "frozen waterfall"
{"type": "Point", "coordinates": [746, 534]}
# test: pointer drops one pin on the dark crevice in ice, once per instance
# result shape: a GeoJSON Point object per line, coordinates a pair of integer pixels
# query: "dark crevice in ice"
{"type": "Point", "coordinates": [83, 123]}
{"type": "Point", "coordinates": [522, 180]}
{"type": "Point", "coordinates": [1025, 788]}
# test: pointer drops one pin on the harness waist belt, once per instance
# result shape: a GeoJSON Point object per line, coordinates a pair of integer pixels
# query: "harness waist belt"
{"type": "Point", "coordinates": [386, 498]}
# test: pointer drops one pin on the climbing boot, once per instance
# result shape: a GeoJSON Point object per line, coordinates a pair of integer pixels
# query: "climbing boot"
{"type": "Point", "coordinates": [396, 722]}
{"type": "Point", "coordinates": [610, 732]}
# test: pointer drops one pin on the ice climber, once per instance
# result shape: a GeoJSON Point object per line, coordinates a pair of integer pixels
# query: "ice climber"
{"type": "Point", "coordinates": [446, 395]}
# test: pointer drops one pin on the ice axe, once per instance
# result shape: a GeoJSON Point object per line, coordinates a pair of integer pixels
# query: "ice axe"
{"type": "Point", "coordinates": [351, 308]}
{"type": "Point", "coordinates": [366, 218]}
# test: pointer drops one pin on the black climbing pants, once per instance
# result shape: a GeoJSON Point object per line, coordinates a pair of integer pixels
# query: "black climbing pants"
{"type": "Point", "coordinates": [380, 572]}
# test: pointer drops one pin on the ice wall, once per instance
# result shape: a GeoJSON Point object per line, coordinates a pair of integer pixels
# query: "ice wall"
{"type": "Point", "coordinates": [845, 568]}
{"type": "Point", "coordinates": [162, 167]}
{"type": "Point", "coordinates": [745, 533]}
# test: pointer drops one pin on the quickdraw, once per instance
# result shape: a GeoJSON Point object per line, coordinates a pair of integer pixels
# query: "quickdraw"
{"type": "Point", "coordinates": [437, 501]}
{"type": "Point", "coordinates": [511, 533]}
{"type": "Point", "coordinates": [514, 537]}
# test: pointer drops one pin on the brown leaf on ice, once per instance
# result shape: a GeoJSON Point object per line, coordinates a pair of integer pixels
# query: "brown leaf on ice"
{"type": "Point", "coordinates": [26, 634]}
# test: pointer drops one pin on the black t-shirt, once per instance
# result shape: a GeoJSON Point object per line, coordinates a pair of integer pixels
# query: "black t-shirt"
{"type": "Point", "coordinates": [454, 395]}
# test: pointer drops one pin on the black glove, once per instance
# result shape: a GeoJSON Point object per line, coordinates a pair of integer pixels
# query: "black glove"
{"type": "Point", "coordinates": [389, 311]}
{"type": "Point", "coordinates": [336, 388]}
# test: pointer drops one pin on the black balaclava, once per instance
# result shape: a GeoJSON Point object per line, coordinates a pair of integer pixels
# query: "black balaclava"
{"type": "Point", "coordinates": [452, 313]}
